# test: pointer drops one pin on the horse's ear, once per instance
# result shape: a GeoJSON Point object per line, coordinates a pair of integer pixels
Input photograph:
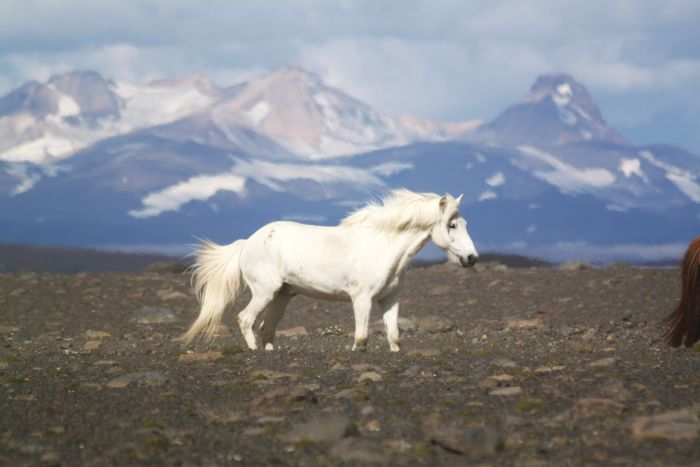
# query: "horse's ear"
{"type": "Point", "coordinates": [443, 203]}
{"type": "Point", "coordinates": [459, 199]}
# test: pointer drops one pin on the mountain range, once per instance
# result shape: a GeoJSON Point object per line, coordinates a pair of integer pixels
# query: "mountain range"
{"type": "Point", "coordinates": [91, 162]}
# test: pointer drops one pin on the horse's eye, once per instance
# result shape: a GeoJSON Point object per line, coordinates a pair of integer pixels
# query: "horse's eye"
{"type": "Point", "coordinates": [452, 225]}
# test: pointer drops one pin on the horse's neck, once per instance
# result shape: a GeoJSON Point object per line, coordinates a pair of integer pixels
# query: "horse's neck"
{"type": "Point", "coordinates": [406, 246]}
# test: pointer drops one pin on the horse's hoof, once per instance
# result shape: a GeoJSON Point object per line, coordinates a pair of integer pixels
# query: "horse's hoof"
{"type": "Point", "coordinates": [269, 346]}
{"type": "Point", "coordinates": [394, 348]}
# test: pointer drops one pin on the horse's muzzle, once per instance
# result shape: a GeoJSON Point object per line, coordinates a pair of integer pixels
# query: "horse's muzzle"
{"type": "Point", "coordinates": [470, 261]}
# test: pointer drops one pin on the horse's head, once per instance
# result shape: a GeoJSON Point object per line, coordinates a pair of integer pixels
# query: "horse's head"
{"type": "Point", "coordinates": [450, 233]}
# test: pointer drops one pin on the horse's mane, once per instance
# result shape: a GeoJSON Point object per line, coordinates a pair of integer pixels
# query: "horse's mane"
{"type": "Point", "coordinates": [398, 211]}
{"type": "Point", "coordinates": [684, 320]}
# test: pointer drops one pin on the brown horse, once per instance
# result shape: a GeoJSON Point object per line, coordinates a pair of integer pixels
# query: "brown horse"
{"type": "Point", "coordinates": [684, 320]}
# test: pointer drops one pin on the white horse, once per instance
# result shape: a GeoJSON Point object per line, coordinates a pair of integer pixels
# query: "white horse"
{"type": "Point", "coordinates": [361, 260]}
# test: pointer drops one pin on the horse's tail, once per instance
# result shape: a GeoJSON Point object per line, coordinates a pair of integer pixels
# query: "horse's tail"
{"type": "Point", "coordinates": [217, 282]}
{"type": "Point", "coordinates": [684, 320]}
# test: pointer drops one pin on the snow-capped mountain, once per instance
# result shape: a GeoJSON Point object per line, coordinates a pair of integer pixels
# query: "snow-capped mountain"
{"type": "Point", "coordinates": [558, 110]}
{"type": "Point", "coordinates": [186, 158]}
{"type": "Point", "coordinates": [44, 123]}
{"type": "Point", "coordinates": [309, 118]}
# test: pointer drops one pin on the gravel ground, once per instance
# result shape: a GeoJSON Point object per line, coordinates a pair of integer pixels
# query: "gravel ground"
{"type": "Point", "coordinates": [499, 366]}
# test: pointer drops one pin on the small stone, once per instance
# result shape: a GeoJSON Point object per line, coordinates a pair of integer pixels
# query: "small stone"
{"type": "Point", "coordinates": [141, 378]}
{"type": "Point", "coordinates": [434, 325]}
{"type": "Point", "coordinates": [50, 457]}
{"type": "Point", "coordinates": [105, 363]}
{"type": "Point", "coordinates": [597, 406]}
{"type": "Point", "coordinates": [603, 363]}
{"type": "Point", "coordinates": [523, 323]}
{"type": "Point", "coordinates": [345, 394]}
{"type": "Point", "coordinates": [367, 411]}
{"type": "Point", "coordinates": [362, 367]}
{"type": "Point", "coordinates": [474, 442]}
{"type": "Point", "coordinates": [200, 357]}
{"type": "Point", "coordinates": [7, 330]}
{"type": "Point", "coordinates": [325, 428]}
{"type": "Point", "coordinates": [373, 426]}
{"type": "Point", "coordinates": [439, 290]}
{"type": "Point", "coordinates": [96, 335]}
{"type": "Point", "coordinates": [675, 425]}
{"type": "Point", "coordinates": [92, 345]}
{"type": "Point", "coordinates": [573, 266]}
{"type": "Point", "coordinates": [504, 363]}
{"type": "Point", "coordinates": [615, 389]}
{"type": "Point", "coordinates": [545, 370]}
{"type": "Point", "coordinates": [503, 378]}
{"type": "Point", "coordinates": [293, 332]}
{"type": "Point", "coordinates": [489, 383]}
{"type": "Point", "coordinates": [168, 294]}
{"type": "Point", "coordinates": [280, 396]}
{"type": "Point", "coordinates": [407, 325]}
{"type": "Point", "coordinates": [17, 292]}
{"type": "Point", "coordinates": [358, 451]}
{"type": "Point", "coordinates": [397, 445]}
{"type": "Point", "coordinates": [507, 391]}
{"type": "Point", "coordinates": [338, 367]}
{"type": "Point", "coordinates": [370, 376]}
{"type": "Point", "coordinates": [222, 330]}
{"type": "Point", "coordinates": [427, 353]}
{"type": "Point", "coordinates": [154, 315]}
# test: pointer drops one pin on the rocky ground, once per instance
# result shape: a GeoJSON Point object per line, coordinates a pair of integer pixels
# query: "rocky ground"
{"type": "Point", "coordinates": [499, 366]}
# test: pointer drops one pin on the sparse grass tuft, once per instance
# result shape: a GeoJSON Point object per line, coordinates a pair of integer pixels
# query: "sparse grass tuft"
{"type": "Point", "coordinates": [527, 405]}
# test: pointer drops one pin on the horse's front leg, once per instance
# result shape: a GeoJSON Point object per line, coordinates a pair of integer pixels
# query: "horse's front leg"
{"type": "Point", "coordinates": [390, 307]}
{"type": "Point", "coordinates": [362, 307]}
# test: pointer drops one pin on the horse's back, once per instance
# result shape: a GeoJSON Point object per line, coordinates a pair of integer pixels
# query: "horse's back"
{"type": "Point", "coordinates": [300, 255]}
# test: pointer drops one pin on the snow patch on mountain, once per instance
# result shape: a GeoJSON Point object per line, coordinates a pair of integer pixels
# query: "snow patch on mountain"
{"type": "Point", "coordinates": [567, 177]}
{"type": "Point", "coordinates": [47, 148]}
{"type": "Point", "coordinates": [199, 188]}
{"type": "Point", "coordinates": [630, 167]}
{"type": "Point", "coordinates": [685, 181]}
{"type": "Point", "coordinates": [67, 107]}
{"type": "Point", "coordinates": [269, 174]}
{"type": "Point", "coordinates": [258, 113]}
{"type": "Point", "coordinates": [155, 104]}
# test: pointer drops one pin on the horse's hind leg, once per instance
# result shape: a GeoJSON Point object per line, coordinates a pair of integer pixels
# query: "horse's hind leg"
{"type": "Point", "coordinates": [274, 314]}
{"type": "Point", "coordinates": [362, 307]}
{"type": "Point", "coordinates": [247, 317]}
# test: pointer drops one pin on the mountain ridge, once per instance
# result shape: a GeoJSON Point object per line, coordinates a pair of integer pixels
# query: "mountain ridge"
{"type": "Point", "coordinates": [217, 162]}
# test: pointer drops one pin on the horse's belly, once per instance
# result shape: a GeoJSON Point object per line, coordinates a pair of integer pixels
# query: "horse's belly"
{"type": "Point", "coordinates": [320, 293]}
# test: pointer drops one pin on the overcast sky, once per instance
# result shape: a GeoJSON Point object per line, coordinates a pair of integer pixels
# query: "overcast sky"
{"type": "Point", "coordinates": [444, 59]}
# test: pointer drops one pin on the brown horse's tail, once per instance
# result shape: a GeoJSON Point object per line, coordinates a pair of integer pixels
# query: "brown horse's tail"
{"type": "Point", "coordinates": [684, 320]}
